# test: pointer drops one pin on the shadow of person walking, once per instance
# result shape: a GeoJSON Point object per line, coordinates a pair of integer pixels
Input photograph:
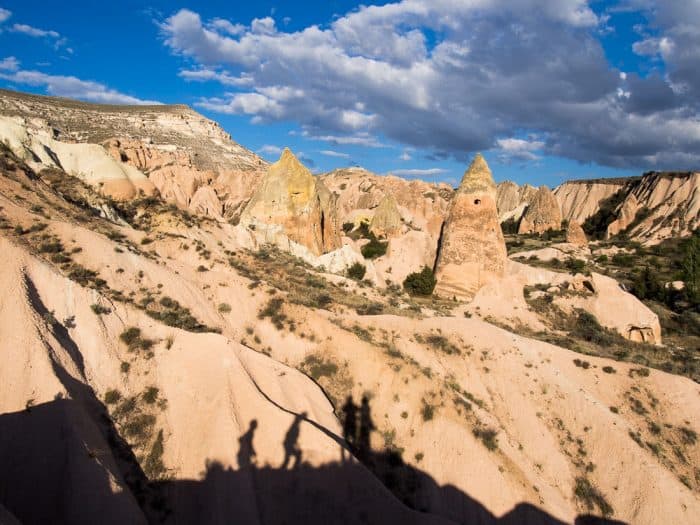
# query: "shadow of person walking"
{"type": "Point", "coordinates": [291, 442]}
{"type": "Point", "coordinates": [246, 451]}
{"type": "Point", "coordinates": [364, 448]}
{"type": "Point", "coordinates": [349, 427]}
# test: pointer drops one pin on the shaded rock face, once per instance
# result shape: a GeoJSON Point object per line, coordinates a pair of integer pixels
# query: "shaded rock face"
{"type": "Point", "coordinates": [472, 251]}
{"type": "Point", "coordinates": [575, 234]}
{"type": "Point", "coordinates": [290, 198]}
{"type": "Point", "coordinates": [578, 200]}
{"type": "Point", "coordinates": [387, 218]}
{"type": "Point", "coordinates": [625, 216]}
{"type": "Point", "coordinates": [542, 214]}
{"type": "Point", "coordinates": [512, 200]}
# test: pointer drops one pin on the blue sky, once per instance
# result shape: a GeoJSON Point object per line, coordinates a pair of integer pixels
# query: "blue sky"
{"type": "Point", "coordinates": [546, 90]}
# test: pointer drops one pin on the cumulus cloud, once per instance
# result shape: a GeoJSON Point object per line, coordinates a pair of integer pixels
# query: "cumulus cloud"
{"type": "Point", "coordinates": [494, 69]}
{"type": "Point", "coordinates": [337, 154]}
{"type": "Point", "coordinates": [9, 64]}
{"type": "Point", "coordinates": [418, 172]}
{"type": "Point", "coordinates": [4, 14]}
{"type": "Point", "coordinates": [271, 150]}
{"type": "Point", "coordinates": [34, 31]}
{"type": "Point", "coordinates": [67, 86]}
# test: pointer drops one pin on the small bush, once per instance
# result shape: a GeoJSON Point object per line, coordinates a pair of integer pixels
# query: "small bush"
{"type": "Point", "coordinates": [224, 308]}
{"type": "Point", "coordinates": [487, 437]}
{"type": "Point", "coordinates": [150, 396]}
{"type": "Point", "coordinates": [609, 370]}
{"type": "Point", "coordinates": [112, 397]}
{"type": "Point", "coordinates": [132, 338]}
{"type": "Point", "coordinates": [319, 368]}
{"type": "Point", "coordinates": [273, 310]}
{"type": "Point", "coordinates": [427, 411]}
{"type": "Point", "coordinates": [98, 309]}
{"type": "Point", "coordinates": [202, 268]}
{"type": "Point", "coordinates": [591, 496]}
{"type": "Point", "coordinates": [374, 248]}
{"type": "Point", "coordinates": [357, 271]}
{"type": "Point", "coordinates": [582, 364]}
{"type": "Point", "coordinates": [125, 367]}
{"type": "Point", "coordinates": [420, 283]}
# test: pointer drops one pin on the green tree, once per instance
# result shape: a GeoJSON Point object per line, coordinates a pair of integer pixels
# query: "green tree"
{"type": "Point", "coordinates": [691, 268]}
{"type": "Point", "coordinates": [420, 283]}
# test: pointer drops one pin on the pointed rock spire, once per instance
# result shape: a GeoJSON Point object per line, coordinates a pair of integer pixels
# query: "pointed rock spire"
{"type": "Point", "coordinates": [477, 177]}
{"type": "Point", "coordinates": [542, 214]}
{"type": "Point", "coordinates": [292, 202]}
{"type": "Point", "coordinates": [472, 251]}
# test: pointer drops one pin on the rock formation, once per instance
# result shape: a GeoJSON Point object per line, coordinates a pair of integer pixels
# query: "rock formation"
{"type": "Point", "coordinates": [127, 150]}
{"type": "Point", "coordinates": [575, 234]}
{"type": "Point", "coordinates": [512, 200]}
{"type": "Point", "coordinates": [386, 221]}
{"type": "Point", "coordinates": [472, 251]}
{"type": "Point", "coordinates": [542, 214]}
{"type": "Point", "coordinates": [579, 199]}
{"type": "Point", "coordinates": [625, 216]}
{"type": "Point", "coordinates": [292, 201]}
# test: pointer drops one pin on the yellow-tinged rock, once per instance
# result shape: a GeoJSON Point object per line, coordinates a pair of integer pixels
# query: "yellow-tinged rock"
{"type": "Point", "coordinates": [290, 197]}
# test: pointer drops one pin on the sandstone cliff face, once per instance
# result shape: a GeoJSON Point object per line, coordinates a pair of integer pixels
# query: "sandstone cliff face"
{"type": "Point", "coordinates": [512, 200]}
{"type": "Point", "coordinates": [659, 206]}
{"type": "Point", "coordinates": [576, 235]}
{"type": "Point", "coordinates": [579, 200]}
{"type": "Point", "coordinates": [291, 200]}
{"type": "Point", "coordinates": [625, 216]}
{"type": "Point", "coordinates": [472, 251]}
{"type": "Point", "coordinates": [542, 214]}
{"type": "Point", "coordinates": [125, 151]}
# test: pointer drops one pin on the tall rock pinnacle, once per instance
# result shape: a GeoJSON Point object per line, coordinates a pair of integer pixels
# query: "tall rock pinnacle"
{"type": "Point", "coordinates": [472, 251]}
{"type": "Point", "coordinates": [292, 200]}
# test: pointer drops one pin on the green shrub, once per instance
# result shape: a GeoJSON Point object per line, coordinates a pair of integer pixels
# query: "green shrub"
{"type": "Point", "coordinates": [487, 437]}
{"type": "Point", "coordinates": [591, 497]}
{"type": "Point", "coordinates": [150, 396]}
{"type": "Point", "coordinates": [609, 370]}
{"type": "Point", "coordinates": [357, 271]}
{"type": "Point", "coordinates": [420, 283]}
{"type": "Point", "coordinates": [575, 265]}
{"type": "Point", "coordinates": [427, 411]}
{"type": "Point", "coordinates": [224, 308]}
{"type": "Point", "coordinates": [374, 248]}
{"type": "Point", "coordinates": [112, 397]}
{"type": "Point", "coordinates": [98, 309]}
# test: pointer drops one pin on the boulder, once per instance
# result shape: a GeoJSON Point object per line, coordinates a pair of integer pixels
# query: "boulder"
{"type": "Point", "coordinates": [472, 251]}
{"type": "Point", "coordinates": [542, 214]}
{"type": "Point", "coordinates": [292, 200]}
{"type": "Point", "coordinates": [575, 234]}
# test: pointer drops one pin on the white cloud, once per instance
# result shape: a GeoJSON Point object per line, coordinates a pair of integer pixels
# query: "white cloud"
{"type": "Point", "coordinates": [205, 75]}
{"type": "Point", "coordinates": [9, 64]}
{"type": "Point", "coordinates": [226, 26]}
{"type": "Point", "coordinates": [331, 153]}
{"type": "Point", "coordinates": [405, 155]}
{"type": "Point", "coordinates": [4, 14]}
{"type": "Point", "coordinates": [375, 73]}
{"type": "Point", "coordinates": [360, 139]}
{"type": "Point", "coordinates": [269, 149]}
{"type": "Point", "coordinates": [34, 31]}
{"type": "Point", "coordinates": [72, 87]}
{"type": "Point", "coordinates": [418, 172]}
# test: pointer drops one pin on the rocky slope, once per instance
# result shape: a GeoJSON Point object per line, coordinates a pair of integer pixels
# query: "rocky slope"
{"type": "Point", "coordinates": [159, 366]}
{"type": "Point", "coordinates": [189, 160]}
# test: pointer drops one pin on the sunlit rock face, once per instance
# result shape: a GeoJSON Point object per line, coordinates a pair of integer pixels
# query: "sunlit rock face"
{"type": "Point", "coordinates": [290, 198]}
{"type": "Point", "coordinates": [542, 214]}
{"type": "Point", "coordinates": [472, 251]}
